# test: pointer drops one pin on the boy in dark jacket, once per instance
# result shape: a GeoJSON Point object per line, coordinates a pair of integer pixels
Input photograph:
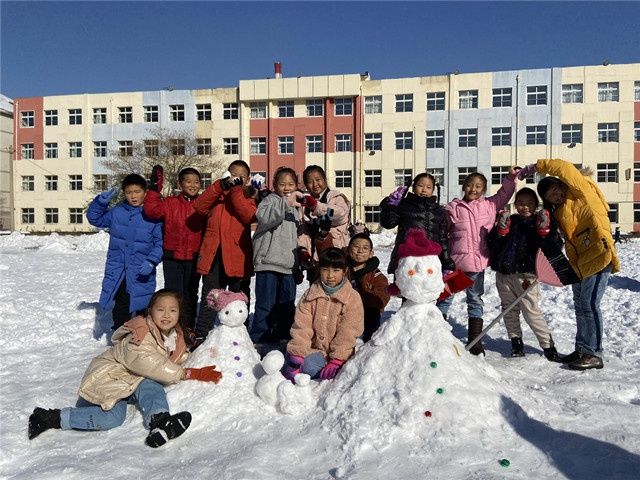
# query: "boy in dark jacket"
{"type": "Point", "coordinates": [368, 281]}
{"type": "Point", "coordinates": [135, 248]}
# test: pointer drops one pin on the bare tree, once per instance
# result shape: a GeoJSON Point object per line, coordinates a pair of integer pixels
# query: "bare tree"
{"type": "Point", "coordinates": [172, 149]}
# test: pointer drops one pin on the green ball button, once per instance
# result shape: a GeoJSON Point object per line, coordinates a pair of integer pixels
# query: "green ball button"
{"type": "Point", "coordinates": [504, 462]}
{"type": "Point", "coordinates": [433, 364]}
{"type": "Point", "coordinates": [440, 390]}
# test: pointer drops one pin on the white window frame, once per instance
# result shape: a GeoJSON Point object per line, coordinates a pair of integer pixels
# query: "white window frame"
{"type": "Point", "coordinates": [572, 93]}
{"type": "Point", "coordinates": [230, 111]}
{"type": "Point", "coordinates": [203, 112]}
{"type": "Point", "coordinates": [125, 114]}
{"type": "Point", "coordinates": [372, 104]}
{"type": "Point", "coordinates": [315, 107]}
{"type": "Point", "coordinates": [467, 99]}
{"type": "Point", "coordinates": [373, 141]}
{"type": "Point", "coordinates": [373, 178]}
{"type": "Point", "coordinates": [51, 183]}
{"type": "Point", "coordinates": [467, 137]}
{"type": "Point", "coordinates": [607, 172]}
{"type": "Point", "coordinates": [286, 109]}
{"type": "Point", "coordinates": [51, 118]}
{"type": "Point", "coordinates": [636, 131]}
{"type": "Point", "coordinates": [343, 142]}
{"type": "Point", "coordinates": [402, 177]}
{"type": "Point", "coordinates": [151, 113]}
{"type": "Point", "coordinates": [230, 146]}
{"type": "Point", "coordinates": [99, 116]}
{"type": "Point", "coordinates": [258, 146]}
{"type": "Point", "coordinates": [258, 110]}
{"type": "Point", "coordinates": [536, 135]}
{"type": "Point", "coordinates": [206, 180]}
{"type": "Point", "coordinates": [404, 140]}
{"type": "Point", "coordinates": [343, 107]}
{"type": "Point", "coordinates": [404, 103]}
{"type": "Point", "coordinates": [344, 179]}
{"type": "Point", "coordinates": [76, 216]}
{"type": "Point", "coordinates": [177, 146]}
{"type": "Point", "coordinates": [75, 183]}
{"type": "Point", "coordinates": [51, 215]}
{"type": "Point", "coordinates": [571, 133]}
{"type": "Point", "coordinates": [100, 182]}
{"type": "Point", "coordinates": [152, 148]}
{"type": "Point", "coordinates": [313, 143]}
{"type": "Point", "coordinates": [500, 136]}
{"type": "Point", "coordinates": [636, 91]}
{"type": "Point", "coordinates": [537, 95]}
{"type": "Point", "coordinates": [27, 151]}
{"type": "Point", "coordinates": [75, 149]}
{"type": "Point", "coordinates": [437, 173]}
{"type": "Point", "coordinates": [28, 183]}
{"type": "Point", "coordinates": [285, 145]}
{"type": "Point", "coordinates": [75, 116]}
{"type": "Point", "coordinates": [608, 132]}
{"type": "Point", "coordinates": [608, 92]}
{"type": "Point", "coordinates": [203, 146]}
{"type": "Point", "coordinates": [372, 213]}
{"type": "Point", "coordinates": [434, 139]}
{"type": "Point", "coordinates": [436, 101]}
{"type": "Point", "coordinates": [100, 149]}
{"type": "Point", "coordinates": [28, 216]}
{"type": "Point", "coordinates": [498, 174]}
{"type": "Point", "coordinates": [176, 113]}
{"type": "Point", "coordinates": [51, 150]}
{"type": "Point", "coordinates": [636, 172]}
{"type": "Point", "coordinates": [125, 148]}
{"type": "Point", "coordinates": [502, 97]}
{"type": "Point", "coordinates": [464, 172]}
{"type": "Point", "coordinates": [27, 119]}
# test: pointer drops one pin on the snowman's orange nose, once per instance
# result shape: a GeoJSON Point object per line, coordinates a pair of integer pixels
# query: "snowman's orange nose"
{"type": "Point", "coordinates": [411, 272]}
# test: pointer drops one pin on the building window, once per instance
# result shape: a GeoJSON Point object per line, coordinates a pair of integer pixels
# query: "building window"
{"type": "Point", "coordinates": [636, 91]}
{"type": "Point", "coordinates": [50, 150]}
{"type": "Point", "coordinates": [258, 110]}
{"type": "Point", "coordinates": [206, 180]}
{"type": "Point", "coordinates": [230, 146]}
{"type": "Point", "coordinates": [99, 116]}
{"type": "Point", "coordinates": [285, 108]}
{"type": "Point", "coordinates": [572, 133]}
{"type": "Point", "coordinates": [315, 107]}
{"type": "Point", "coordinates": [498, 174]}
{"type": "Point", "coordinates": [343, 142]}
{"type": "Point", "coordinates": [438, 174]}
{"type": "Point", "coordinates": [502, 97]}
{"type": "Point", "coordinates": [467, 99]}
{"type": "Point", "coordinates": [343, 178]}
{"type": "Point", "coordinates": [572, 93]}
{"type": "Point", "coordinates": [125, 114]}
{"type": "Point", "coordinates": [607, 132]}
{"type": "Point", "coordinates": [28, 183]}
{"type": "Point", "coordinates": [50, 215]}
{"type": "Point", "coordinates": [435, 138]}
{"type": "Point", "coordinates": [177, 146]}
{"type": "Point", "coordinates": [27, 119]}
{"type": "Point", "coordinates": [203, 146]}
{"type": "Point", "coordinates": [75, 116]}
{"type": "Point", "coordinates": [125, 147]}
{"type": "Point", "coordinates": [372, 141]}
{"type": "Point", "coordinates": [608, 92]}
{"type": "Point", "coordinates": [51, 183]}
{"type": "Point", "coordinates": [26, 151]}
{"type": "Point", "coordinates": [373, 104]}
{"type": "Point", "coordinates": [468, 137]}
{"type": "Point", "coordinates": [636, 172]}
{"type": "Point", "coordinates": [404, 102]}
{"type": "Point", "coordinates": [537, 95]}
{"type": "Point", "coordinates": [100, 182]}
{"type": "Point", "coordinates": [75, 149]}
{"type": "Point", "coordinates": [203, 111]}
{"type": "Point", "coordinates": [100, 149]}
{"type": "Point", "coordinates": [258, 145]}
{"type": "Point", "coordinates": [75, 216]}
{"type": "Point", "coordinates": [28, 215]}
{"type": "Point", "coordinates": [75, 182]}
{"type": "Point", "coordinates": [537, 135]}
{"type": "Point", "coordinates": [500, 136]}
{"type": "Point", "coordinates": [343, 106]}
{"type": "Point", "coordinates": [150, 113]}
{"type": "Point", "coordinates": [151, 148]}
{"type": "Point", "coordinates": [404, 140]}
{"type": "Point", "coordinates": [176, 113]}
{"type": "Point", "coordinates": [613, 212]}
{"type": "Point", "coordinates": [636, 213]}
{"type": "Point", "coordinates": [285, 145]}
{"type": "Point", "coordinates": [373, 178]}
{"type": "Point", "coordinates": [314, 143]}
{"type": "Point", "coordinates": [607, 172]}
{"type": "Point", "coordinates": [464, 172]}
{"type": "Point", "coordinates": [372, 214]}
{"type": "Point", "coordinates": [435, 101]}
{"type": "Point", "coordinates": [230, 111]}
{"type": "Point", "coordinates": [636, 131]}
{"type": "Point", "coordinates": [403, 177]}
{"type": "Point", "coordinates": [51, 117]}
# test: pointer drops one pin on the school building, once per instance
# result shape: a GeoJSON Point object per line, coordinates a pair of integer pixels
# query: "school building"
{"type": "Point", "coordinates": [369, 135]}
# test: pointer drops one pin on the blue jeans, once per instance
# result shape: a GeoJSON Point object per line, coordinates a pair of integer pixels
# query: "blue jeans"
{"type": "Point", "coordinates": [586, 300]}
{"type": "Point", "coordinates": [275, 306]}
{"type": "Point", "coordinates": [475, 304]}
{"type": "Point", "coordinates": [149, 396]}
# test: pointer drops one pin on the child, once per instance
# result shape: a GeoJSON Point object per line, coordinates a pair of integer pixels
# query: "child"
{"type": "Point", "coordinates": [471, 219]}
{"type": "Point", "coordinates": [513, 245]}
{"type": "Point", "coordinates": [225, 253]}
{"type": "Point", "coordinates": [581, 210]}
{"type": "Point", "coordinates": [418, 208]}
{"type": "Point", "coordinates": [135, 248]}
{"type": "Point", "coordinates": [274, 258]}
{"type": "Point", "coordinates": [182, 234]}
{"type": "Point", "coordinates": [329, 319]}
{"type": "Point", "coordinates": [146, 354]}
{"type": "Point", "coordinates": [368, 281]}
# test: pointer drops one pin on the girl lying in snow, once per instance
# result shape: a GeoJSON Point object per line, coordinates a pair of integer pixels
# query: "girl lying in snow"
{"type": "Point", "coordinates": [146, 354]}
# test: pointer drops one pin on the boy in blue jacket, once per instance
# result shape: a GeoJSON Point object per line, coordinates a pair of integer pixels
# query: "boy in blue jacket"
{"type": "Point", "coordinates": [135, 248]}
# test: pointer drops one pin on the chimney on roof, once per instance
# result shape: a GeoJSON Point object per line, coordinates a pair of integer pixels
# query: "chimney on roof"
{"type": "Point", "coordinates": [277, 67]}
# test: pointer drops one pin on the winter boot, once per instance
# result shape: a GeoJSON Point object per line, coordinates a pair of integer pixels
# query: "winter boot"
{"type": "Point", "coordinates": [166, 427]}
{"type": "Point", "coordinates": [41, 420]}
{"type": "Point", "coordinates": [517, 347]}
{"type": "Point", "coordinates": [551, 353]}
{"type": "Point", "coordinates": [475, 329]}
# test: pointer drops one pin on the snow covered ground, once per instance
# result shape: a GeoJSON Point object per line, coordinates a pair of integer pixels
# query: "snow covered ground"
{"type": "Point", "coordinates": [547, 421]}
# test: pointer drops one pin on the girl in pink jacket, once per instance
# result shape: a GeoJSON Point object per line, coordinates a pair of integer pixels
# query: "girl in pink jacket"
{"type": "Point", "coordinates": [472, 218]}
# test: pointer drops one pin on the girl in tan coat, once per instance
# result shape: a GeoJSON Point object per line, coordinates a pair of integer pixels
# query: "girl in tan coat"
{"type": "Point", "coordinates": [328, 320]}
{"type": "Point", "coordinates": [146, 354]}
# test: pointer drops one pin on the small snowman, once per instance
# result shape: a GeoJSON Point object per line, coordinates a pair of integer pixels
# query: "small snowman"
{"type": "Point", "coordinates": [228, 344]}
{"type": "Point", "coordinates": [277, 391]}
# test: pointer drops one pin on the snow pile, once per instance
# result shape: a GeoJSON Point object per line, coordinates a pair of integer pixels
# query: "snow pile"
{"type": "Point", "coordinates": [17, 240]}
{"type": "Point", "coordinates": [97, 242]}
{"type": "Point", "coordinates": [56, 243]}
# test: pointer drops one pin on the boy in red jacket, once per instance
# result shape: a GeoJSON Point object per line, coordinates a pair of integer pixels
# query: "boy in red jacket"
{"type": "Point", "coordinates": [182, 234]}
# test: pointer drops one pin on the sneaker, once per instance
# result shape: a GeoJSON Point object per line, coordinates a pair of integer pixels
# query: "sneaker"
{"type": "Point", "coordinates": [572, 357]}
{"type": "Point", "coordinates": [42, 420]}
{"type": "Point", "coordinates": [164, 427]}
{"type": "Point", "coordinates": [552, 354]}
{"type": "Point", "coordinates": [586, 362]}
{"type": "Point", "coordinates": [517, 347]}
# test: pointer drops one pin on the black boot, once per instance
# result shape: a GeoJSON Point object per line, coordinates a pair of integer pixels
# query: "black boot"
{"type": "Point", "coordinates": [41, 420]}
{"type": "Point", "coordinates": [551, 353]}
{"type": "Point", "coordinates": [475, 329]}
{"type": "Point", "coordinates": [165, 427]}
{"type": "Point", "coordinates": [517, 347]}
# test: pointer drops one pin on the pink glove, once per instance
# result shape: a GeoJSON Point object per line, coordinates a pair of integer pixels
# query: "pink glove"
{"type": "Point", "coordinates": [504, 223]}
{"type": "Point", "coordinates": [396, 196]}
{"type": "Point", "coordinates": [293, 367]}
{"type": "Point", "coordinates": [527, 171]}
{"type": "Point", "coordinates": [543, 222]}
{"type": "Point", "coordinates": [294, 199]}
{"type": "Point", "coordinates": [309, 202]}
{"type": "Point", "coordinates": [331, 369]}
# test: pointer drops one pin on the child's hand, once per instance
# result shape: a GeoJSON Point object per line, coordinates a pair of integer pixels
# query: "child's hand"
{"type": "Point", "coordinates": [204, 374]}
{"type": "Point", "coordinates": [105, 197]}
{"type": "Point", "coordinates": [324, 224]}
{"type": "Point", "coordinates": [304, 258]}
{"type": "Point", "coordinates": [145, 269]}
{"type": "Point", "coordinates": [543, 222]}
{"type": "Point", "coordinates": [293, 367]}
{"type": "Point", "coordinates": [309, 202]}
{"type": "Point", "coordinates": [229, 182]}
{"type": "Point", "coordinates": [396, 196]}
{"type": "Point", "coordinates": [157, 178]}
{"type": "Point", "coordinates": [527, 171]}
{"type": "Point", "coordinates": [294, 199]}
{"type": "Point", "coordinates": [331, 369]}
{"type": "Point", "coordinates": [504, 223]}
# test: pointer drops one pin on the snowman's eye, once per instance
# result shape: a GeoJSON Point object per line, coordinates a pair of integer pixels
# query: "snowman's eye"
{"type": "Point", "coordinates": [430, 271]}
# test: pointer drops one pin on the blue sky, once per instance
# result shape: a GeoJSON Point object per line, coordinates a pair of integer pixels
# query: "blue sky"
{"type": "Point", "coordinates": [51, 48]}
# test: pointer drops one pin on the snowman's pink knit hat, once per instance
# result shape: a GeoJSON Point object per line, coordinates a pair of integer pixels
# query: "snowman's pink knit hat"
{"type": "Point", "coordinates": [219, 299]}
{"type": "Point", "coordinates": [416, 244]}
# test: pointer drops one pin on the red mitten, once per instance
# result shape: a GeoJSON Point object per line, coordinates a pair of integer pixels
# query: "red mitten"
{"type": "Point", "coordinates": [304, 258]}
{"type": "Point", "coordinates": [393, 290]}
{"type": "Point", "coordinates": [204, 374]}
{"type": "Point", "coordinates": [309, 202]}
{"type": "Point", "coordinates": [331, 369]}
{"type": "Point", "coordinates": [543, 222]}
{"type": "Point", "coordinates": [504, 223]}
